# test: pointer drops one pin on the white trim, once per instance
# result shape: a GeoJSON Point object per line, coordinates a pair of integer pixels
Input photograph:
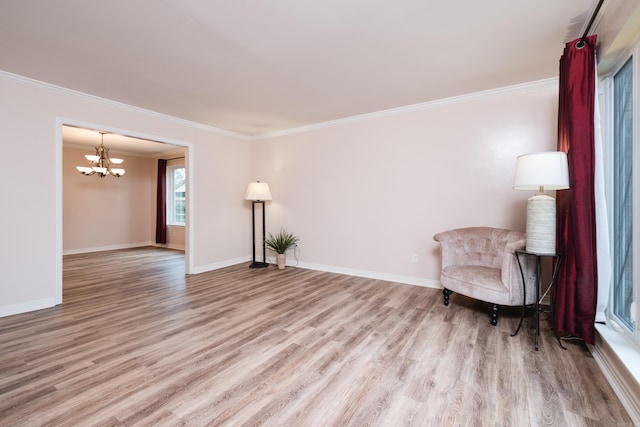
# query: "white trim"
{"type": "Point", "coordinates": [108, 248]}
{"type": "Point", "coordinates": [189, 254]}
{"type": "Point", "coordinates": [219, 265]}
{"type": "Point", "coordinates": [109, 102]}
{"type": "Point", "coordinates": [170, 194]}
{"type": "Point", "coordinates": [300, 129]}
{"type": "Point", "coordinates": [405, 109]}
{"type": "Point", "coordinates": [170, 246]}
{"type": "Point", "coordinates": [60, 121]}
{"type": "Point", "coordinates": [58, 285]}
{"type": "Point", "coordinates": [188, 163]}
{"type": "Point", "coordinates": [25, 307]}
{"type": "Point", "coordinates": [123, 246]}
{"type": "Point", "coordinates": [407, 280]}
{"type": "Point", "coordinates": [619, 361]}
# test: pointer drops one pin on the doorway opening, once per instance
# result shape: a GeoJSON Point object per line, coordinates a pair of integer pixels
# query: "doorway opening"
{"type": "Point", "coordinates": [105, 213]}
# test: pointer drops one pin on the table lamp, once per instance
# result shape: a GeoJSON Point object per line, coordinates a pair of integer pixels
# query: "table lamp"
{"type": "Point", "coordinates": [541, 171]}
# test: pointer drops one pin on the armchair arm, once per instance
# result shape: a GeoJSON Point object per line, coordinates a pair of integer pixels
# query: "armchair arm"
{"type": "Point", "coordinates": [511, 275]}
{"type": "Point", "coordinates": [451, 246]}
{"type": "Point", "coordinates": [512, 247]}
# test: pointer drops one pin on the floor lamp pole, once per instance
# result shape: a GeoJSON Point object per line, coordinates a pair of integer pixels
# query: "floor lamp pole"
{"type": "Point", "coordinates": [264, 246]}
{"type": "Point", "coordinates": [257, 264]}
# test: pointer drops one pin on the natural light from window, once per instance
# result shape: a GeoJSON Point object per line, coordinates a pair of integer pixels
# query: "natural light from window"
{"type": "Point", "coordinates": [176, 195]}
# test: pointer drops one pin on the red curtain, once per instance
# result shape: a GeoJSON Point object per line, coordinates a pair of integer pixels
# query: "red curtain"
{"type": "Point", "coordinates": [576, 288]}
{"type": "Point", "coordinates": [161, 201]}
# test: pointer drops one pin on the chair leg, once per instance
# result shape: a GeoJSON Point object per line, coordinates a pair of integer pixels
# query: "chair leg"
{"type": "Point", "coordinates": [494, 315]}
{"type": "Point", "coordinates": [446, 292]}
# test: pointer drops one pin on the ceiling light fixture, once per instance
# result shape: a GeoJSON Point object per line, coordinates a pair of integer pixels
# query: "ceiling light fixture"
{"type": "Point", "coordinates": [101, 162]}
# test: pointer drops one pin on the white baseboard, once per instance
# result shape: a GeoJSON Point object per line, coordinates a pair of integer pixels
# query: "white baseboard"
{"type": "Point", "coordinates": [408, 280]}
{"type": "Point", "coordinates": [24, 307]}
{"type": "Point", "coordinates": [169, 246]}
{"type": "Point", "coordinates": [107, 248]}
{"type": "Point", "coordinates": [619, 360]}
{"type": "Point", "coordinates": [221, 264]}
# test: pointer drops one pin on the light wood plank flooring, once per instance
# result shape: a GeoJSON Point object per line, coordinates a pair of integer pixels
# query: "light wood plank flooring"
{"type": "Point", "coordinates": [138, 343]}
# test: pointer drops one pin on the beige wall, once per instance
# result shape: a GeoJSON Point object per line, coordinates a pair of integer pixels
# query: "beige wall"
{"type": "Point", "coordinates": [363, 195]}
{"type": "Point", "coordinates": [175, 236]}
{"type": "Point", "coordinates": [366, 195]}
{"type": "Point", "coordinates": [112, 213]}
{"type": "Point", "coordinates": [107, 213]}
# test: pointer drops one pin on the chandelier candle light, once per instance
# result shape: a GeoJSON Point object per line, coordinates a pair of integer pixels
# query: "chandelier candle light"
{"type": "Point", "coordinates": [541, 171]}
{"type": "Point", "coordinates": [101, 162]}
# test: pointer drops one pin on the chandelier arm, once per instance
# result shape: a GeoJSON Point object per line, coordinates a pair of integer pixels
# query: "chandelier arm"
{"type": "Point", "coordinates": [103, 162]}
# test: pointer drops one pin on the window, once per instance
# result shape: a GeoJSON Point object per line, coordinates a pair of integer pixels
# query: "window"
{"type": "Point", "coordinates": [176, 195]}
{"type": "Point", "coordinates": [625, 186]}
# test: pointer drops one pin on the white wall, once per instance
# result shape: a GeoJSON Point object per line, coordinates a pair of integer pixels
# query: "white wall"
{"type": "Point", "coordinates": [365, 195]}
{"type": "Point", "coordinates": [31, 185]}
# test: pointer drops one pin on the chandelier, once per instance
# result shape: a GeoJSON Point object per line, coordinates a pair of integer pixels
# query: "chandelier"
{"type": "Point", "coordinates": [101, 162]}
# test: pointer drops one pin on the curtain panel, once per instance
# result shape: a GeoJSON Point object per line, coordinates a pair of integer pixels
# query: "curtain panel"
{"type": "Point", "coordinates": [161, 203]}
{"type": "Point", "coordinates": [575, 292]}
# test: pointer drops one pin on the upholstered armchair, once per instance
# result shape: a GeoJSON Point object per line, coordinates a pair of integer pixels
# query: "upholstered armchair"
{"type": "Point", "coordinates": [480, 262]}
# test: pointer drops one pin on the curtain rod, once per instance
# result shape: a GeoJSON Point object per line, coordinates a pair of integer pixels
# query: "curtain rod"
{"type": "Point", "coordinates": [583, 39]}
{"type": "Point", "coordinates": [175, 158]}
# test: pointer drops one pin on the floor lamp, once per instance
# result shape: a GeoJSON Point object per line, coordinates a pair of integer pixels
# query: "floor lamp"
{"type": "Point", "coordinates": [258, 192]}
{"type": "Point", "coordinates": [541, 171]}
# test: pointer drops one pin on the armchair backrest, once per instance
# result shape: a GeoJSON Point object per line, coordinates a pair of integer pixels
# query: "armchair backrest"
{"type": "Point", "coordinates": [483, 246]}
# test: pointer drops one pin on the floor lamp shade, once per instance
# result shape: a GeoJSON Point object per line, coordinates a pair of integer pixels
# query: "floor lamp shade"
{"type": "Point", "coordinates": [542, 171]}
{"type": "Point", "coordinates": [258, 192]}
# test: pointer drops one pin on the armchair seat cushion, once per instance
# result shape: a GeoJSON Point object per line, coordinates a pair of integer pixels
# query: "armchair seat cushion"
{"type": "Point", "coordinates": [476, 281]}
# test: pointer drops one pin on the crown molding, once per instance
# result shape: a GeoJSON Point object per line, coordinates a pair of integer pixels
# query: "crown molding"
{"type": "Point", "coordinates": [108, 102]}
{"type": "Point", "coordinates": [290, 131]}
{"type": "Point", "coordinates": [406, 109]}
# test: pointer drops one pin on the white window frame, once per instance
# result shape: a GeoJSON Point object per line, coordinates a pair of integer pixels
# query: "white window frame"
{"type": "Point", "coordinates": [634, 333]}
{"type": "Point", "coordinates": [171, 221]}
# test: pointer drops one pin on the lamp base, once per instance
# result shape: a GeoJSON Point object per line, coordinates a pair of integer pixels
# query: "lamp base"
{"type": "Point", "coordinates": [541, 224]}
{"type": "Point", "coordinates": [257, 264]}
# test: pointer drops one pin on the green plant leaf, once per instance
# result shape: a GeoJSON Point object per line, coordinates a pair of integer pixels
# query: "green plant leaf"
{"type": "Point", "coordinates": [281, 241]}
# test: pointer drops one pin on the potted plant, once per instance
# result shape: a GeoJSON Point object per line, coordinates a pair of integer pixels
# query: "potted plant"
{"type": "Point", "coordinates": [280, 243]}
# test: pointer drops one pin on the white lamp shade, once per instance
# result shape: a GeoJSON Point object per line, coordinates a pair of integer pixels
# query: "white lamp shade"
{"type": "Point", "coordinates": [115, 160]}
{"type": "Point", "coordinates": [117, 171]}
{"type": "Point", "coordinates": [547, 170]}
{"type": "Point", "coordinates": [258, 191]}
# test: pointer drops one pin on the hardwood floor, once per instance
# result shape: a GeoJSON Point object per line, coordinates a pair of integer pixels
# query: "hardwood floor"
{"type": "Point", "coordinates": [138, 343]}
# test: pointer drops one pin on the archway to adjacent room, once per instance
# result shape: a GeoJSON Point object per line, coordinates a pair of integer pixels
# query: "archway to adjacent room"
{"type": "Point", "coordinates": [141, 153]}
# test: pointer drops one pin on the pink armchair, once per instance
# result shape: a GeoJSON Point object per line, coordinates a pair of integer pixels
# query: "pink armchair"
{"type": "Point", "coordinates": [480, 262]}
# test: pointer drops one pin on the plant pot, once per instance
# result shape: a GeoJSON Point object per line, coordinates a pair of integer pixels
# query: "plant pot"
{"type": "Point", "coordinates": [281, 260]}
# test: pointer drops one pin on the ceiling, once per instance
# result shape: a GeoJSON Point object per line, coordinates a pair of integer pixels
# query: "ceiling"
{"type": "Point", "coordinates": [82, 138]}
{"type": "Point", "coordinates": [259, 67]}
